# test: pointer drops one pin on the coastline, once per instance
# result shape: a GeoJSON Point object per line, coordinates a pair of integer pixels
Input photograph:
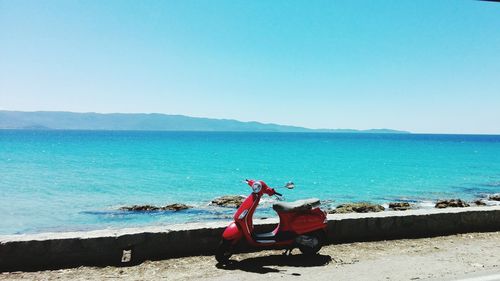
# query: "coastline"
{"type": "Point", "coordinates": [222, 214]}
{"type": "Point", "coordinates": [116, 232]}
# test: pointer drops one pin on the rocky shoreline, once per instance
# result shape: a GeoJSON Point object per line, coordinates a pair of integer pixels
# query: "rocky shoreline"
{"type": "Point", "coordinates": [234, 201]}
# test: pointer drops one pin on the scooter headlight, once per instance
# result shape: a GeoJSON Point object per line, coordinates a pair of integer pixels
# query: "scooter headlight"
{"type": "Point", "coordinates": [256, 187]}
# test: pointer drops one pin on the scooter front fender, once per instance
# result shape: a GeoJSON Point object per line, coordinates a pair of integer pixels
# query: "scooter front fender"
{"type": "Point", "coordinates": [232, 232]}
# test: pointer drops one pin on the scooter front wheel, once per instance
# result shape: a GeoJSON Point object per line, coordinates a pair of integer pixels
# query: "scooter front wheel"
{"type": "Point", "coordinates": [224, 251]}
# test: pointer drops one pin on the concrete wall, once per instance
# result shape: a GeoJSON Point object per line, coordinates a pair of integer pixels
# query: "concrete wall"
{"type": "Point", "coordinates": [105, 247]}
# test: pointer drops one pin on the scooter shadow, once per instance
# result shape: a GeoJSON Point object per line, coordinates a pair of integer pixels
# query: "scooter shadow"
{"type": "Point", "coordinates": [262, 264]}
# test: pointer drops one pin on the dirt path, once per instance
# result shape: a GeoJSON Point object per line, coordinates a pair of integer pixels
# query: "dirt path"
{"type": "Point", "coordinates": [440, 258]}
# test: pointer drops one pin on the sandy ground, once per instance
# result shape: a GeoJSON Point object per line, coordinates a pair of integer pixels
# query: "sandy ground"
{"type": "Point", "coordinates": [440, 258]}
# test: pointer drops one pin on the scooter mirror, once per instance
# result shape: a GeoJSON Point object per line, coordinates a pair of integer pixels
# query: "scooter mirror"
{"type": "Point", "coordinates": [290, 185]}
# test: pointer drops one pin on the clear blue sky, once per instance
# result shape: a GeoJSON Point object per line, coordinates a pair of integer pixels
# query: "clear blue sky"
{"type": "Point", "coordinates": [424, 66]}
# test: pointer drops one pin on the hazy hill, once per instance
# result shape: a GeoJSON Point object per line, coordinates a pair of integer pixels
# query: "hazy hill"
{"type": "Point", "coordinates": [58, 120]}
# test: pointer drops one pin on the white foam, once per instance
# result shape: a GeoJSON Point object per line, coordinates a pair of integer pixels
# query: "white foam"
{"type": "Point", "coordinates": [426, 204]}
{"type": "Point", "coordinates": [491, 202]}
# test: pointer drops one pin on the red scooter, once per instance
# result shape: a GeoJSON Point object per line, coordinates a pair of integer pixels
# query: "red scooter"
{"type": "Point", "coordinates": [302, 224]}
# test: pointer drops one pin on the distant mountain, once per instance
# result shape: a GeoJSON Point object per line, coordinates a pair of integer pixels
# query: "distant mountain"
{"type": "Point", "coordinates": [58, 120]}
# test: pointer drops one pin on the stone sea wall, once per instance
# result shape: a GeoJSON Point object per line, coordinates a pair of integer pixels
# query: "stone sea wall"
{"type": "Point", "coordinates": [130, 246]}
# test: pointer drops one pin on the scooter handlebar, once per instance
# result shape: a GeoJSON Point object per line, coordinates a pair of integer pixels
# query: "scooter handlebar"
{"type": "Point", "coordinates": [277, 193]}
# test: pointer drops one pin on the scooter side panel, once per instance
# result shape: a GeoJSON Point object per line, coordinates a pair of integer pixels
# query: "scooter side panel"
{"type": "Point", "coordinates": [311, 221]}
{"type": "Point", "coordinates": [232, 232]}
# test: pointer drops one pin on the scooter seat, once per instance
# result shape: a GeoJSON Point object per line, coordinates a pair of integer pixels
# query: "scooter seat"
{"type": "Point", "coordinates": [300, 205]}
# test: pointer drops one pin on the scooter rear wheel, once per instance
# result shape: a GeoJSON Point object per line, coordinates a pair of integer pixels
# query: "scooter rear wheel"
{"type": "Point", "coordinates": [224, 251]}
{"type": "Point", "coordinates": [312, 243]}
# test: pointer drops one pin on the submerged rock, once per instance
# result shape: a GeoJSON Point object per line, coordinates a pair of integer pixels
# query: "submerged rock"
{"type": "Point", "coordinates": [361, 207]}
{"type": "Point", "coordinates": [495, 197]}
{"type": "Point", "coordinates": [229, 201]}
{"type": "Point", "coordinates": [400, 206]}
{"type": "Point", "coordinates": [150, 208]}
{"type": "Point", "coordinates": [176, 207]}
{"type": "Point", "coordinates": [454, 203]}
{"type": "Point", "coordinates": [479, 202]}
{"type": "Point", "coordinates": [140, 208]}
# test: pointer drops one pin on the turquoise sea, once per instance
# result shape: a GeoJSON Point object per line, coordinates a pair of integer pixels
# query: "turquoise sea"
{"type": "Point", "coordinates": [77, 180]}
